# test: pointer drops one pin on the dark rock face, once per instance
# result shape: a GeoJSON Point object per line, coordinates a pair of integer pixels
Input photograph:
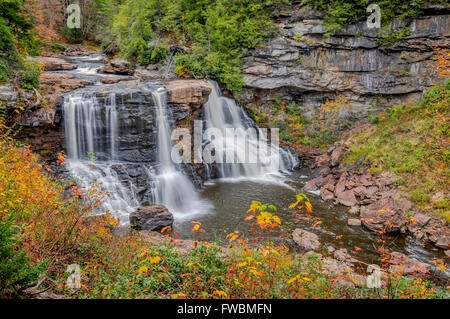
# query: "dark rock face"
{"type": "Point", "coordinates": [154, 217]}
{"type": "Point", "coordinates": [304, 66]}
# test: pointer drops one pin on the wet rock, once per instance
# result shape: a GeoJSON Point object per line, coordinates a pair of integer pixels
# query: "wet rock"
{"type": "Point", "coordinates": [405, 265]}
{"type": "Point", "coordinates": [53, 64]}
{"type": "Point", "coordinates": [447, 253]}
{"type": "Point", "coordinates": [147, 74]}
{"type": "Point", "coordinates": [354, 210]}
{"type": "Point", "coordinates": [118, 66]}
{"type": "Point", "coordinates": [8, 96]}
{"type": "Point", "coordinates": [153, 217]}
{"type": "Point", "coordinates": [383, 215]}
{"type": "Point", "coordinates": [110, 79]}
{"type": "Point", "coordinates": [354, 222]}
{"type": "Point", "coordinates": [443, 242]}
{"type": "Point", "coordinates": [326, 194]}
{"type": "Point", "coordinates": [191, 94]}
{"type": "Point", "coordinates": [347, 198]}
{"type": "Point", "coordinates": [306, 240]}
{"type": "Point", "coordinates": [343, 256]}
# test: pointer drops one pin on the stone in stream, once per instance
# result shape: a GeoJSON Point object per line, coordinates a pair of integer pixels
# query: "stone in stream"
{"type": "Point", "coordinates": [354, 222]}
{"type": "Point", "coordinates": [347, 198]}
{"type": "Point", "coordinates": [306, 240]}
{"type": "Point", "coordinates": [110, 79]}
{"type": "Point", "coordinates": [405, 265]}
{"type": "Point", "coordinates": [153, 217]}
{"type": "Point", "coordinates": [383, 215]}
{"type": "Point", "coordinates": [118, 66]}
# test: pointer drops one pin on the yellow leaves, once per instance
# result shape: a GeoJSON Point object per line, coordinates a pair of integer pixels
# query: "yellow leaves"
{"type": "Point", "coordinates": [154, 260]}
{"type": "Point", "coordinates": [142, 270]}
{"type": "Point", "coordinates": [308, 207]}
{"type": "Point", "coordinates": [294, 204]}
{"type": "Point", "coordinates": [242, 264]}
{"type": "Point", "coordinates": [197, 227]}
{"type": "Point", "coordinates": [220, 293]}
{"type": "Point", "coordinates": [276, 219]}
{"type": "Point", "coordinates": [233, 236]}
{"type": "Point", "coordinates": [253, 207]}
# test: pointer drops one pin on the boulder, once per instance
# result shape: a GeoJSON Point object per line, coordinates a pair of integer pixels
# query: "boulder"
{"type": "Point", "coordinates": [443, 242]}
{"type": "Point", "coordinates": [343, 256]}
{"type": "Point", "coordinates": [147, 74]}
{"type": "Point", "coordinates": [118, 66]}
{"type": "Point", "coordinates": [336, 155]}
{"type": "Point", "coordinates": [190, 94]}
{"type": "Point", "coordinates": [326, 194]}
{"type": "Point", "coordinates": [347, 198]}
{"type": "Point", "coordinates": [405, 265]}
{"type": "Point", "coordinates": [53, 64]}
{"type": "Point", "coordinates": [153, 217]}
{"type": "Point", "coordinates": [306, 240]}
{"type": "Point", "coordinates": [354, 222]}
{"type": "Point", "coordinates": [383, 215]}
{"type": "Point", "coordinates": [110, 79]}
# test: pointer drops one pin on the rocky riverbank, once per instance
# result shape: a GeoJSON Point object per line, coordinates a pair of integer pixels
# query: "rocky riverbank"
{"type": "Point", "coordinates": [374, 199]}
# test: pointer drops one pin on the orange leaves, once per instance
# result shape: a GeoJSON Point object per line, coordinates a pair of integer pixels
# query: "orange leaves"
{"type": "Point", "coordinates": [197, 227]}
{"type": "Point", "coordinates": [61, 160]}
{"type": "Point", "coordinates": [233, 236]}
{"type": "Point", "coordinates": [441, 62]}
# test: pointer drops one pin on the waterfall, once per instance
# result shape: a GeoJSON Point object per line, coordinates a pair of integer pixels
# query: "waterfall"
{"type": "Point", "coordinates": [91, 130]}
{"type": "Point", "coordinates": [242, 150]}
{"type": "Point", "coordinates": [173, 189]}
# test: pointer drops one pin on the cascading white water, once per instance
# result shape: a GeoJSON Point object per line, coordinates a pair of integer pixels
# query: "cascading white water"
{"type": "Point", "coordinates": [245, 154]}
{"type": "Point", "coordinates": [173, 189]}
{"type": "Point", "coordinates": [85, 128]}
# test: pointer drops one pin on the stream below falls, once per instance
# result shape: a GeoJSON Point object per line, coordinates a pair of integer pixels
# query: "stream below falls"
{"type": "Point", "coordinates": [223, 202]}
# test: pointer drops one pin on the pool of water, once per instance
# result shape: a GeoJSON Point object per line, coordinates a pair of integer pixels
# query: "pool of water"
{"type": "Point", "coordinates": [231, 200]}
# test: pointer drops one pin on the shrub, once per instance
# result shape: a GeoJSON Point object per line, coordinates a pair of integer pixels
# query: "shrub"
{"type": "Point", "coordinates": [29, 76]}
{"type": "Point", "coordinates": [16, 271]}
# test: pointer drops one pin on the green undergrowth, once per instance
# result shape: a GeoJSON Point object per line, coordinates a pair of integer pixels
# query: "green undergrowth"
{"type": "Point", "coordinates": [412, 142]}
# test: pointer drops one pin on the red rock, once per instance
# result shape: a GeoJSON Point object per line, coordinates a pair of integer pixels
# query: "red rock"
{"type": "Point", "coordinates": [336, 155]}
{"type": "Point", "coordinates": [326, 194]}
{"type": "Point", "coordinates": [110, 79]}
{"type": "Point", "coordinates": [443, 242]}
{"type": "Point", "coordinates": [383, 215]}
{"type": "Point", "coordinates": [354, 222]}
{"type": "Point", "coordinates": [370, 191]}
{"type": "Point", "coordinates": [322, 160]}
{"type": "Point", "coordinates": [347, 198]}
{"type": "Point", "coordinates": [405, 265]}
{"type": "Point", "coordinates": [305, 239]}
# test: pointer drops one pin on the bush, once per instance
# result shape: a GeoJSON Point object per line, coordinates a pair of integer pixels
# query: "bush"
{"type": "Point", "coordinates": [73, 35]}
{"type": "Point", "coordinates": [29, 76]}
{"type": "Point", "coordinates": [16, 272]}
